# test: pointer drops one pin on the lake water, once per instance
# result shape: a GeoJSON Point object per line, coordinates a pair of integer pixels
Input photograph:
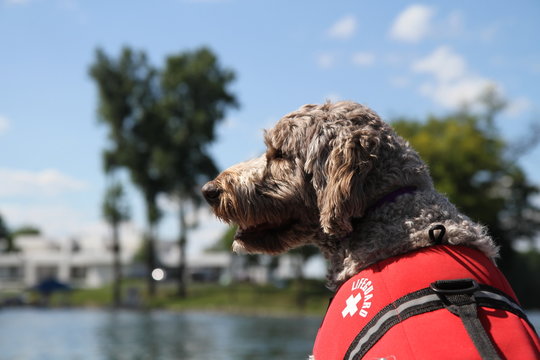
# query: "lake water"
{"type": "Point", "coordinates": [33, 334]}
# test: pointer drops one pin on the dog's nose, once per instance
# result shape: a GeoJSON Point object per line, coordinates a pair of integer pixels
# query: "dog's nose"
{"type": "Point", "coordinates": [211, 192]}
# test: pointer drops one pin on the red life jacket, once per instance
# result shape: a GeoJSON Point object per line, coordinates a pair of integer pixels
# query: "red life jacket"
{"type": "Point", "coordinates": [389, 311]}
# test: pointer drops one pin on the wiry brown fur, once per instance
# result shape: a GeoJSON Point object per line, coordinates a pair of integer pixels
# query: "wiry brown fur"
{"type": "Point", "coordinates": [324, 167]}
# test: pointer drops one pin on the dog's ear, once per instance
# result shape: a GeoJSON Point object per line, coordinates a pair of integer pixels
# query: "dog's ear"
{"type": "Point", "coordinates": [339, 169]}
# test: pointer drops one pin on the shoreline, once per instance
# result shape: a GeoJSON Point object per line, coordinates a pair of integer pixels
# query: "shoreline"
{"type": "Point", "coordinates": [216, 311]}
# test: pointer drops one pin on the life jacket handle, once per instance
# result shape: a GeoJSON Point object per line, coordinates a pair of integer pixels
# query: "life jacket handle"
{"type": "Point", "coordinates": [442, 231]}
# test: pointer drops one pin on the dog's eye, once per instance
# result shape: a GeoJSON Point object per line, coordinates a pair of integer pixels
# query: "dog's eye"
{"type": "Point", "coordinates": [274, 154]}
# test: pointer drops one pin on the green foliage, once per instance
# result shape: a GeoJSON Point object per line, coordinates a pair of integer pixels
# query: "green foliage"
{"type": "Point", "coordinates": [466, 163]}
{"type": "Point", "coordinates": [6, 236]}
{"type": "Point", "coordinates": [525, 280]}
{"type": "Point", "coordinates": [128, 105]}
{"type": "Point", "coordinates": [469, 163]}
{"type": "Point", "coordinates": [115, 208]}
{"type": "Point", "coordinates": [242, 298]}
{"type": "Point", "coordinates": [26, 230]}
{"type": "Point", "coordinates": [9, 236]}
{"type": "Point", "coordinates": [194, 98]}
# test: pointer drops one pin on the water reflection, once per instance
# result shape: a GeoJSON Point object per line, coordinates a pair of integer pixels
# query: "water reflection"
{"type": "Point", "coordinates": [165, 335]}
{"type": "Point", "coordinates": [29, 334]}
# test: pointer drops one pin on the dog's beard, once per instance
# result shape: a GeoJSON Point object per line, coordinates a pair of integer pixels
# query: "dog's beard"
{"type": "Point", "coordinates": [271, 239]}
{"type": "Point", "coordinates": [264, 238]}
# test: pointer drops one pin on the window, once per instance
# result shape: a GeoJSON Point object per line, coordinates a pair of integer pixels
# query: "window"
{"type": "Point", "coordinates": [47, 272]}
{"type": "Point", "coordinates": [11, 273]}
{"type": "Point", "coordinates": [77, 273]}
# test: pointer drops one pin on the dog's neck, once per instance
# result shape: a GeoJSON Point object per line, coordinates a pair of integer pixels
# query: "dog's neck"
{"type": "Point", "coordinates": [401, 213]}
{"type": "Point", "coordinates": [391, 197]}
{"type": "Point", "coordinates": [365, 246]}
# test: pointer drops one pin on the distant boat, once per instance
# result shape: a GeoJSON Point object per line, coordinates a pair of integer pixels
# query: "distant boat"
{"type": "Point", "coordinates": [51, 285]}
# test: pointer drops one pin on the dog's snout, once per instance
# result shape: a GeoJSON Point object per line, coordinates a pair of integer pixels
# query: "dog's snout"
{"type": "Point", "coordinates": [211, 192]}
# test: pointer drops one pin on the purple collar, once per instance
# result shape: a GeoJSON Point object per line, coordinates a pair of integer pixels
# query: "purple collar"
{"type": "Point", "coordinates": [391, 197]}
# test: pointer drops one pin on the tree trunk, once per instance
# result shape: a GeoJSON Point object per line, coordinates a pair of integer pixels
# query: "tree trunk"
{"type": "Point", "coordinates": [117, 268]}
{"type": "Point", "coordinates": [150, 260]}
{"type": "Point", "coordinates": [301, 290]}
{"type": "Point", "coordinates": [182, 241]}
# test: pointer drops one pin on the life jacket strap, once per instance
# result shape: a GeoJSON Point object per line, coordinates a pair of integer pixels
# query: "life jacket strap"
{"type": "Point", "coordinates": [461, 297]}
{"type": "Point", "coordinates": [458, 297]}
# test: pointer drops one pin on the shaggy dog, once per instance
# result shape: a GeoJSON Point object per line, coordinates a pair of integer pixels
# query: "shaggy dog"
{"type": "Point", "coordinates": [337, 177]}
{"type": "Point", "coordinates": [326, 170]}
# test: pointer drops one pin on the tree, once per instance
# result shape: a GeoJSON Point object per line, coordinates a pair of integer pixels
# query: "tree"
{"type": "Point", "coordinates": [115, 211]}
{"type": "Point", "coordinates": [472, 164]}
{"type": "Point", "coordinates": [9, 236]}
{"type": "Point", "coordinates": [6, 236]}
{"type": "Point", "coordinates": [195, 97]}
{"type": "Point", "coordinates": [160, 125]}
{"type": "Point", "coordinates": [26, 230]}
{"type": "Point", "coordinates": [128, 105]}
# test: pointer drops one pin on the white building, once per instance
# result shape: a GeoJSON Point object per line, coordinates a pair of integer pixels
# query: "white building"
{"type": "Point", "coordinates": [69, 261]}
{"type": "Point", "coordinates": [227, 266]}
{"type": "Point", "coordinates": [86, 262]}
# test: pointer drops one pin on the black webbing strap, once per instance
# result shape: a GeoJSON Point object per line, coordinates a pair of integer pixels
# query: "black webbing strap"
{"type": "Point", "coordinates": [461, 297]}
{"type": "Point", "coordinates": [458, 298]}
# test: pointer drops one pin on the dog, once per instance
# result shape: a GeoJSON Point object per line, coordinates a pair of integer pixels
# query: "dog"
{"type": "Point", "coordinates": [336, 176]}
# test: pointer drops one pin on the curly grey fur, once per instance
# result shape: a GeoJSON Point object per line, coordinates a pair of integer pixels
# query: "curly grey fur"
{"type": "Point", "coordinates": [324, 167]}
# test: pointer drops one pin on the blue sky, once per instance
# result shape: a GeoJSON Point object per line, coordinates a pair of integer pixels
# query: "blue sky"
{"type": "Point", "coordinates": [399, 57]}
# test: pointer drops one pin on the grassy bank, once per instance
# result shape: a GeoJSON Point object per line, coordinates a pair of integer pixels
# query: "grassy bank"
{"type": "Point", "coordinates": [309, 297]}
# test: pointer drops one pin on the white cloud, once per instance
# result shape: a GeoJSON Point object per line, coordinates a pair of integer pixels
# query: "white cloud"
{"type": "Point", "coordinates": [4, 124]}
{"type": "Point", "coordinates": [453, 85]}
{"type": "Point", "coordinates": [326, 60]}
{"type": "Point", "coordinates": [457, 93]}
{"type": "Point", "coordinates": [344, 28]}
{"type": "Point", "coordinates": [47, 182]}
{"type": "Point", "coordinates": [443, 63]}
{"type": "Point", "coordinates": [363, 59]}
{"type": "Point", "coordinates": [413, 24]}
{"type": "Point", "coordinates": [56, 220]}
{"type": "Point", "coordinates": [518, 106]}
{"type": "Point", "coordinates": [62, 222]}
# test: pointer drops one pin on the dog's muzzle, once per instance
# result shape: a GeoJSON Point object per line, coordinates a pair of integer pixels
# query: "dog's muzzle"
{"type": "Point", "coordinates": [211, 193]}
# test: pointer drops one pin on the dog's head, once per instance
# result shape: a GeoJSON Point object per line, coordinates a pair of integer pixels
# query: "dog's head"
{"type": "Point", "coordinates": [313, 179]}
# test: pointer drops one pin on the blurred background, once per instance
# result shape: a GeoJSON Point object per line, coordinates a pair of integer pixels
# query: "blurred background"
{"type": "Point", "coordinates": [113, 114]}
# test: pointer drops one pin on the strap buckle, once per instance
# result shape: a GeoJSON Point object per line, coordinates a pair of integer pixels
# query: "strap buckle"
{"type": "Point", "coordinates": [454, 287]}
